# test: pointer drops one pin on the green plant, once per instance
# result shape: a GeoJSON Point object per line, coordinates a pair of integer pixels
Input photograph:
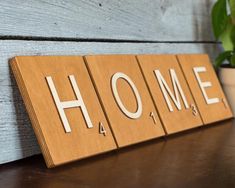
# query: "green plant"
{"type": "Point", "coordinates": [223, 23]}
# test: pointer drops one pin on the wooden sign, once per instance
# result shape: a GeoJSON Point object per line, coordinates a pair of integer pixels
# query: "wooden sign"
{"type": "Point", "coordinates": [205, 88]}
{"type": "Point", "coordinates": [82, 106]}
{"type": "Point", "coordinates": [125, 98]}
{"type": "Point", "coordinates": [63, 107]}
{"type": "Point", "coordinates": [170, 92]}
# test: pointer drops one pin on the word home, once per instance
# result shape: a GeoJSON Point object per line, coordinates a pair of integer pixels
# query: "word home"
{"type": "Point", "coordinates": [83, 106]}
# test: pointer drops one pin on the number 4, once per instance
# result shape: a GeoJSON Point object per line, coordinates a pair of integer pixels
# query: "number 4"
{"type": "Point", "coordinates": [102, 129]}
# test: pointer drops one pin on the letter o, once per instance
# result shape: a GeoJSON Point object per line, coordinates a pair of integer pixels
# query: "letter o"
{"type": "Point", "coordinates": [132, 115]}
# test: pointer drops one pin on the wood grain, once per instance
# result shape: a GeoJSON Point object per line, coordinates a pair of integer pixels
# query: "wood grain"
{"type": "Point", "coordinates": [209, 112]}
{"type": "Point", "coordinates": [177, 120]}
{"type": "Point", "coordinates": [59, 147]}
{"type": "Point", "coordinates": [203, 154]}
{"type": "Point", "coordinates": [180, 21]}
{"type": "Point", "coordinates": [155, 20]}
{"type": "Point", "coordinates": [126, 130]}
{"type": "Point", "coordinates": [17, 139]}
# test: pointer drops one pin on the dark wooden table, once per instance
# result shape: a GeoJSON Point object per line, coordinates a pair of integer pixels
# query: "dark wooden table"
{"type": "Point", "coordinates": [203, 157]}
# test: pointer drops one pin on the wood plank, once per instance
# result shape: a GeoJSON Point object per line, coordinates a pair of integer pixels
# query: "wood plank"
{"type": "Point", "coordinates": [182, 117]}
{"type": "Point", "coordinates": [171, 20]}
{"type": "Point", "coordinates": [126, 101]}
{"type": "Point", "coordinates": [69, 76]}
{"type": "Point", "coordinates": [205, 87]}
{"type": "Point", "coordinates": [203, 158]}
{"type": "Point", "coordinates": [17, 139]}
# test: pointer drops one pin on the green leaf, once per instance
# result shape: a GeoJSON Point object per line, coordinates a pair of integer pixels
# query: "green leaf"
{"type": "Point", "coordinates": [219, 17]}
{"type": "Point", "coordinates": [232, 61]}
{"type": "Point", "coordinates": [233, 36]}
{"type": "Point", "coordinates": [222, 57]}
{"type": "Point", "coordinates": [232, 8]}
{"type": "Point", "coordinates": [226, 36]}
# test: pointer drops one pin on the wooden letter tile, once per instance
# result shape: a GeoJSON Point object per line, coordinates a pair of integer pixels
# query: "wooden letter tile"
{"type": "Point", "coordinates": [63, 107]}
{"type": "Point", "coordinates": [205, 87]}
{"type": "Point", "coordinates": [125, 98]}
{"type": "Point", "coordinates": [170, 92]}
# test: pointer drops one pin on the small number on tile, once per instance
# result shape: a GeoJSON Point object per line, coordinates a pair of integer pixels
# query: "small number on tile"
{"type": "Point", "coordinates": [102, 129]}
{"type": "Point", "coordinates": [153, 117]}
{"type": "Point", "coordinates": [194, 110]}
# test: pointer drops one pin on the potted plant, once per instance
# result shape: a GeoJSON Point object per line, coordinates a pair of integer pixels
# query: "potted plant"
{"type": "Point", "coordinates": [223, 23]}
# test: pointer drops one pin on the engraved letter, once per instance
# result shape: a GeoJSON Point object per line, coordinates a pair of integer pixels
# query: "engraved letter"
{"type": "Point", "coordinates": [132, 115]}
{"type": "Point", "coordinates": [177, 89]}
{"type": "Point", "coordinates": [69, 104]}
{"type": "Point", "coordinates": [204, 85]}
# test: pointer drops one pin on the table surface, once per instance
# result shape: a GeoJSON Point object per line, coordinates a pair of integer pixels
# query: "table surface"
{"type": "Point", "coordinates": [202, 157]}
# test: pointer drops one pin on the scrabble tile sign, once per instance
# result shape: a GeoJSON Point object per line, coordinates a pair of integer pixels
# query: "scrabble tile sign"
{"type": "Point", "coordinates": [83, 106]}
{"type": "Point", "coordinates": [170, 92]}
{"type": "Point", "coordinates": [125, 97]}
{"type": "Point", "coordinates": [206, 89]}
{"type": "Point", "coordinates": [63, 107]}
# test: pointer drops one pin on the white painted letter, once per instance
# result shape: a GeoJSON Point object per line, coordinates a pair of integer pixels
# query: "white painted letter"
{"type": "Point", "coordinates": [129, 114]}
{"type": "Point", "coordinates": [69, 104]}
{"type": "Point", "coordinates": [177, 89]}
{"type": "Point", "coordinates": [204, 85]}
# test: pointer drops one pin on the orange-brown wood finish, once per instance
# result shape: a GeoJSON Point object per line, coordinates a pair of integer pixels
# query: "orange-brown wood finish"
{"type": "Point", "coordinates": [126, 130]}
{"type": "Point", "coordinates": [178, 119]}
{"type": "Point", "coordinates": [209, 112]}
{"type": "Point", "coordinates": [121, 124]}
{"type": "Point", "coordinates": [57, 146]}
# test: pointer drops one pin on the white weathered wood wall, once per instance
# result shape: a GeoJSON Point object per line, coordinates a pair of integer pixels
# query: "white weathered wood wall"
{"type": "Point", "coordinates": [79, 27]}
